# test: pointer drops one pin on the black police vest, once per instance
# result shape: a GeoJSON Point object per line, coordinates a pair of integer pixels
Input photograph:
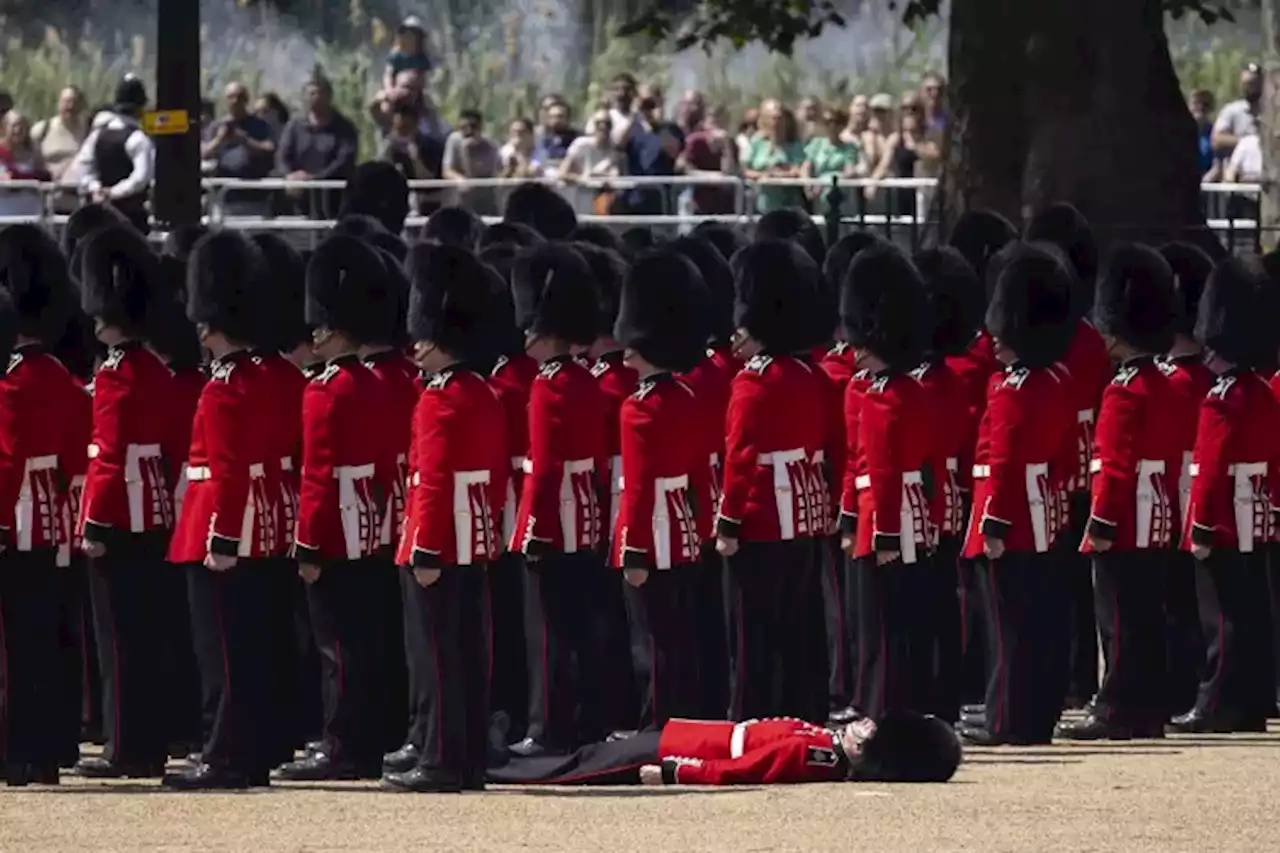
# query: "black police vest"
{"type": "Point", "coordinates": [111, 155]}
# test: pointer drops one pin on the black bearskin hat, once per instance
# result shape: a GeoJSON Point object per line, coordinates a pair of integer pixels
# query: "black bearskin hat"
{"type": "Point", "coordinates": [598, 235]}
{"type": "Point", "coordinates": [718, 280]}
{"type": "Point", "coordinates": [555, 294]}
{"type": "Point", "coordinates": [172, 334]}
{"type": "Point", "coordinates": [542, 209]}
{"type": "Point", "coordinates": [454, 226]}
{"type": "Point", "coordinates": [510, 233]}
{"type": "Point", "coordinates": [638, 239]}
{"type": "Point", "coordinates": [882, 305]}
{"type": "Point", "coordinates": [956, 299]}
{"type": "Point", "coordinates": [347, 289]}
{"type": "Point", "coordinates": [726, 239]}
{"type": "Point", "coordinates": [77, 347]}
{"type": "Point", "coordinates": [34, 272]}
{"type": "Point", "coordinates": [8, 328]}
{"type": "Point", "coordinates": [1191, 267]}
{"type": "Point", "coordinates": [378, 189]}
{"type": "Point", "coordinates": [451, 301]}
{"type": "Point", "coordinates": [842, 254]}
{"type": "Point", "coordinates": [662, 311]}
{"type": "Point", "coordinates": [1064, 226]}
{"type": "Point", "coordinates": [979, 235]}
{"type": "Point", "coordinates": [609, 270]}
{"type": "Point", "coordinates": [1135, 299]}
{"type": "Point", "coordinates": [179, 242]}
{"type": "Point", "coordinates": [775, 285]}
{"type": "Point", "coordinates": [284, 295]}
{"type": "Point", "coordinates": [84, 220]}
{"type": "Point", "coordinates": [395, 290]}
{"type": "Point", "coordinates": [1234, 320]}
{"type": "Point", "coordinates": [121, 280]}
{"type": "Point", "coordinates": [1030, 310]}
{"type": "Point", "coordinates": [499, 261]}
{"type": "Point", "coordinates": [793, 225]}
{"type": "Point", "coordinates": [908, 747]}
{"type": "Point", "coordinates": [224, 274]}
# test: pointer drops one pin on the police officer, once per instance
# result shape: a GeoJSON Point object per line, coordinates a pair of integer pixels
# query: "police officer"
{"type": "Point", "coordinates": [117, 160]}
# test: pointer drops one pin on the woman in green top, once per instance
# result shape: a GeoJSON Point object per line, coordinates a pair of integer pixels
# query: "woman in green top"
{"type": "Point", "coordinates": [775, 152]}
{"type": "Point", "coordinates": [830, 155]}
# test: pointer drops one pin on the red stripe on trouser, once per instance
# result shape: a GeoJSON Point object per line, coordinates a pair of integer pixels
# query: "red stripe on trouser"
{"type": "Point", "coordinates": [435, 661]}
{"type": "Point", "coordinates": [839, 606]}
{"type": "Point", "coordinates": [740, 665]}
{"type": "Point", "coordinates": [115, 670]}
{"type": "Point", "coordinates": [996, 719]}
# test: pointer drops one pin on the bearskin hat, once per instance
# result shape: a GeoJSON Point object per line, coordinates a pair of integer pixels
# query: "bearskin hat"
{"type": "Point", "coordinates": [882, 305]}
{"type": "Point", "coordinates": [179, 242]}
{"type": "Point", "coordinates": [555, 294]}
{"type": "Point", "coordinates": [1030, 309]}
{"type": "Point", "coordinates": [224, 274]}
{"type": "Point", "coordinates": [390, 243]}
{"type": "Point", "coordinates": [842, 254]}
{"type": "Point", "coordinates": [979, 235]}
{"type": "Point", "coordinates": [609, 270]}
{"type": "Point", "coordinates": [8, 327]}
{"type": "Point", "coordinates": [638, 239]}
{"type": "Point", "coordinates": [451, 301]}
{"type": "Point", "coordinates": [284, 294]}
{"type": "Point", "coordinates": [1191, 268]}
{"type": "Point", "coordinates": [454, 226]}
{"type": "Point", "coordinates": [717, 279]}
{"type": "Point", "coordinates": [775, 285]}
{"type": "Point", "coordinates": [542, 209]}
{"type": "Point", "coordinates": [378, 189]}
{"type": "Point", "coordinates": [34, 272]}
{"type": "Point", "coordinates": [1234, 318]}
{"type": "Point", "coordinates": [956, 299]}
{"type": "Point", "coordinates": [78, 348]}
{"type": "Point", "coordinates": [1064, 226]}
{"type": "Point", "coordinates": [908, 747]}
{"type": "Point", "coordinates": [793, 225]}
{"type": "Point", "coordinates": [346, 289]}
{"type": "Point", "coordinates": [508, 340]}
{"type": "Point", "coordinates": [727, 240]}
{"type": "Point", "coordinates": [121, 280]}
{"type": "Point", "coordinates": [86, 219]}
{"type": "Point", "coordinates": [662, 311]}
{"type": "Point", "coordinates": [598, 235]}
{"type": "Point", "coordinates": [510, 233]}
{"type": "Point", "coordinates": [1135, 298]}
{"type": "Point", "coordinates": [395, 290]}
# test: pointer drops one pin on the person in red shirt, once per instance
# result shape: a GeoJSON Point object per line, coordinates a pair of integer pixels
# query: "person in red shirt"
{"type": "Point", "coordinates": [775, 501]}
{"type": "Point", "coordinates": [1133, 512]}
{"type": "Point", "coordinates": [451, 534]}
{"type": "Point", "coordinates": [656, 540]}
{"type": "Point", "coordinates": [127, 511]}
{"type": "Point", "coordinates": [1015, 496]}
{"type": "Point", "coordinates": [1191, 380]}
{"type": "Point", "coordinates": [1233, 481]}
{"type": "Point", "coordinates": [559, 527]}
{"type": "Point", "coordinates": [226, 530]}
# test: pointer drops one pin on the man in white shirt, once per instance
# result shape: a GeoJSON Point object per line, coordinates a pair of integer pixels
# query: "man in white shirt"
{"type": "Point", "coordinates": [1239, 119]}
{"type": "Point", "coordinates": [116, 164]}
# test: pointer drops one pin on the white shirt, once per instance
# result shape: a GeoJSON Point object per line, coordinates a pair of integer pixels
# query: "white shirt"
{"type": "Point", "coordinates": [138, 146]}
{"type": "Point", "coordinates": [1246, 160]}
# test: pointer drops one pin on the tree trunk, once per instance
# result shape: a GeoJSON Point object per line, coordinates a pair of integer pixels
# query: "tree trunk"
{"type": "Point", "coordinates": [1270, 129]}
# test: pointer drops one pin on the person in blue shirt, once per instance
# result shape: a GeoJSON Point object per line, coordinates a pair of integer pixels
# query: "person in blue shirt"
{"type": "Point", "coordinates": [555, 136]}
{"type": "Point", "coordinates": [410, 53]}
{"type": "Point", "coordinates": [652, 145]}
{"type": "Point", "coordinates": [1201, 104]}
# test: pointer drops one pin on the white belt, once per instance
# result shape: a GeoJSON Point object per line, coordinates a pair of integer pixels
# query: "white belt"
{"type": "Point", "coordinates": [738, 740]}
{"type": "Point", "coordinates": [94, 450]}
{"type": "Point", "coordinates": [286, 463]}
{"type": "Point", "coordinates": [197, 473]}
{"type": "Point", "coordinates": [42, 463]}
{"type": "Point", "coordinates": [784, 492]}
{"type": "Point", "coordinates": [981, 472]}
{"type": "Point", "coordinates": [909, 478]}
{"type": "Point", "coordinates": [353, 472]}
{"type": "Point", "coordinates": [781, 457]}
{"type": "Point", "coordinates": [518, 463]}
{"type": "Point", "coordinates": [1145, 466]}
{"type": "Point", "coordinates": [526, 465]}
{"type": "Point", "coordinates": [1240, 469]}
{"type": "Point", "coordinates": [714, 459]}
{"type": "Point", "coordinates": [953, 464]}
{"type": "Point", "coordinates": [1084, 416]}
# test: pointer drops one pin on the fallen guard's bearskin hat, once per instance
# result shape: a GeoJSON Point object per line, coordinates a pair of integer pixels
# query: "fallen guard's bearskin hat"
{"type": "Point", "coordinates": [1030, 310]}
{"type": "Point", "coordinates": [555, 294]}
{"type": "Point", "coordinates": [717, 278]}
{"type": "Point", "coordinates": [121, 280]}
{"type": "Point", "coordinates": [224, 273]}
{"type": "Point", "coordinates": [882, 305]}
{"type": "Point", "coordinates": [775, 287]}
{"type": "Point", "coordinates": [86, 219]}
{"type": "Point", "coordinates": [510, 233]}
{"type": "Point", "coordinates": [793, 225]}
{"type": "Point", "coordinates": [908, 747]}
{"type": "Point", "coordinates": [609, 270]}
{"type": "Point", "coordinates": [1233, 320]}
{"type": "Point", "coordinates": [378, 189]}
{"type": "Point", "coordinates": [955, 296]}
{"type": "Point", "coordinates": [979, 235]}
{"type": "Point", "coordinates": [34, 272]}
{"type": "Point", "coordinates": [347, 289]}
{"type": "Point", "coordinates": [454, 226]}
{"type": "Point", "coordinates": [726, 239]}
{"type": "Point", "coordinates": [8, 328]}
{"type": "Point", "coordinates": [1135, 299]}
{"type": "Point", "coordinates": [598, 235]}
{"type": "Point", "coordinates": [283, 295]}
{"type": "Point", "coordinates": [1064, 226]}
{"type": "Point", "coordinates": [662, 311]}
{"type": "Point", "coordinates": [1191, 268]}
{"type": "Point", "coordinates": [542, 209]}
{"type": "Point", "coordinates": [451, 302]}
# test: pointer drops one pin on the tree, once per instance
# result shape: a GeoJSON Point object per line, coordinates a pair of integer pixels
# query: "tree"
{"type": "Point", "coordinates": [1049, 100]}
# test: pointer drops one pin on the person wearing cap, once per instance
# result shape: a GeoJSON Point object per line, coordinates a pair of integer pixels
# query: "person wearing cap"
{"type": "Point", "coordinates": [410, 52]}
{"type": "Point", "coordinates": [1133, 515]}
{"type": "Point", "coordinates": [1233, 470]}
{"type": "Point", "coordinates": [127, 511]}
{"type": "Point", "coordinates": [1018, 473]}
{"type": "Point", "coordinates": [116, 163]}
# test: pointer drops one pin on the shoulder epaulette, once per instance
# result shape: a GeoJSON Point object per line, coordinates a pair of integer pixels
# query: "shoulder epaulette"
{"type": "Point", "coordinates": [502, 362]}
{"type": "Point", "coordinates": [878, 385]}
{"type": "Point", "coordinates": [1166, 366]}
{"type": "Point", "coordinates": [438, 381]}
{"type": "Point", "coordinates": [1016, 377]}
{"type": "Point", "coordinates": [645, 388]}
{"type": "Point", "coordinates": [328, 373]}
{"type": "Point", "coordinates": [840, 348]}
{"type": "Point", "coordinates": [115, 358]}
{"type": "Point", "coordinates": [600, 368]}
{"type": "Point", "coordinates": [549, 369]}
{"type": "Point", "coordinates": [1124, 376]}
{"type": "Point", "coordinates": [861, 374]}
{"type": "Point", "coordinates": [919, 372]}
{"type": "Point", "coordinates": [758, 364]}
{"type": "Point", "coordinates": [222, 371]}
{"type": "Point", "coordinates": [1222, 386]}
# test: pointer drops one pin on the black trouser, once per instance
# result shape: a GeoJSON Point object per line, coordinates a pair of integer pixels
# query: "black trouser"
{"type": "Point", "coordinates": [1018, 587]}
{"type": "Point", "coordinates": [894, 651]}
{"type": "Point", "coordinates": [1128, 597]}
{"type": "Point", "coordinates": [804, 664]}
{"type": "Point", "coordinates": [448, 628]}
{"type": "Point", "coordinates": [282, 586]}
{"type": "Point", "coordinates": [712, 634]}
{"type": "Point", "coordinates": [344, 604]}
{"type": "Point", "coordinates": [616, 695]}
{"type": "Point", "coordinates": [125, 588]}
{"type": "Point", "coordinates": [663, 614]}
{"type": "Point", "coordinates": [1239, 678]}
{"type": "Point", "coordinates": [1184, 640]}
{"type": "Point", "coordinates": [1273, 581]}
{"type": "Point", "coordinates": [761, 641]}
{"type": "Point", "coordinates": [179, 671]}
{"type": "Point", "coordinates": [971, 591]}
{"type": "Point", "coordinates": [1082, 673]}
{"type": "Point", "coordinates": [30, 697]}
{"type": "Point", "coordinates": [229, 626]}
{"type": "Point", "coordinates": [392, 677]}
{"type": "Point", "coordinates": [840, 623]}
{"type": "Point", "coordinates": [80, 684]}
{"type": "Point", "coordinates": [509, 687]}
{"type": "Point", "coordinates": [941, 622]}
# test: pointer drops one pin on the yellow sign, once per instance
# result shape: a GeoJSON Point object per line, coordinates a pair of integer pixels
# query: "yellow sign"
{"type": "Point", "coordinates": [165, 122]}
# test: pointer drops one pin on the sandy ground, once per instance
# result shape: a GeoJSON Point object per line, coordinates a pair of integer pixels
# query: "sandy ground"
{"type": "Point", "coordinates": [1198, 793]}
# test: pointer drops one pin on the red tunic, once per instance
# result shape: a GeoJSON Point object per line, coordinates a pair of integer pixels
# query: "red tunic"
{"type": "Point", "coordinates": [775, 437]}
{"type": "Point", "coordinates": [974, 368]}
{"type": "Point", "coordinates": [710, 381]}
{"type": "Point", "coordinates": [511, 379]}
{"type": "Point", "coordinates": [770, 751]}
{"type": "Point", "coordinates": [1190, 381]}
{"type": "Point", "coordinates": [1235, 464]}
{"type": "Point", "coordinates": [618, 382]}
{"type": "Point", "coordinates": [80, 434]}
{"type": "Point", "coordinates": [560, 499]}
{"type": "Point", "coordinates": [126, 487]}
{"type": "Point", "coordinates": [188, 384]}
{"type": "Point", "coordinates": [228, 508]}
{"type": "Point", "coordinates": [664, 475]}
{"type": "Point", "coordinates": [830, 465]}
{"type": "Point", "coordinates": [462, 456]}
{"type": "Point", "coordinates": [284, 439]}
{"type": "Point", "coordinates": [343, 464]}
{"type": "Point", "coordinates": [398, 378]}
{"type": "Point", "coordinates": [1136, 461]}
{"type": "Point", "coordinates": [949, 398]}
{"type": "Point", "coordinates": [1017, 485]}
{"type": "Point", "coordinates": [1088, 370]}
{"type": "Point", "coordinates": [853, 393]}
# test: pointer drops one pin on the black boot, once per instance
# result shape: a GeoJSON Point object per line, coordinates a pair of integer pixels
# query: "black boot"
{"type": "Point", "coordinates": [206, 777]}
{"type": "Point", "coordinates": [101, 768]}
{"type": "Point", "coordinates": [423, 781]}
{"type": "Point", "coordinates": [318, 767]}
{"type": "Point", "coordinates": [402, 760]}
{"type": "Point", "coordinates": [1094, 728]}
